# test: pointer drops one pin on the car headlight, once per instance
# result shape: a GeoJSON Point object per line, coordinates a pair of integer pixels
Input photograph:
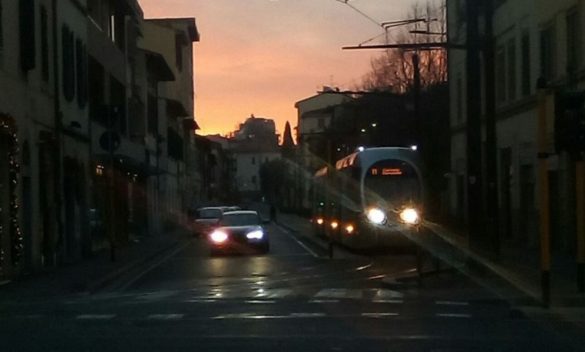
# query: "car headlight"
{"type": "Point", "coordinates": [320, 221]}
{"type": "Point", "coordinates": [410, 216]}
{"type": "Point", "coordinates": [376, 216]}
{"type": "Point", "coordinates": [218, 237]}
{"type": "Point", "coordinates": [255, 235]}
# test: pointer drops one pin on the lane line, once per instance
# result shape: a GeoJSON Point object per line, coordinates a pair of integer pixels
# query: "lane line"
{"type": "Point", "coordinates": [290, 235]}
{"type": "Point", "coordinates": [154, 265]}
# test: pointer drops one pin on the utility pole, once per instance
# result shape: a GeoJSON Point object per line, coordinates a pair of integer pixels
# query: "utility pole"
{"type": "Point", "coordinates": [416, 78]}
{"type": "Point", "coordinates": [58, 125]}
{"type": "Point", "coordinates": [492, 208]}
{"type": "Point", "coordinates": [543, 199]}
{"type": "Point", "coordinates": [475, 206]}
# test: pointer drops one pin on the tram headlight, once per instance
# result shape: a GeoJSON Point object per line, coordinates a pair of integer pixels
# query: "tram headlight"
{"type": "Point", "coordinates": [410, 216]}
{"type": "Point", "coordinates": [349, 229]}
{"type": "Point", "coordinates": [320, 221]}
{"type": "Point", "coordinates": [376, 216]}
{"type": "Point", "coordinates": [334, 225]}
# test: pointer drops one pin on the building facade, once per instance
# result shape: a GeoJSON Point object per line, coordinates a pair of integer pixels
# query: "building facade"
{"type": "Point", "coordinates": [79, 169]}
{"type": "Point", "coordinates": [532, 40]}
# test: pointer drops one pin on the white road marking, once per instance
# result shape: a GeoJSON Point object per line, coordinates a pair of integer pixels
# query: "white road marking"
{"type": "Point", "coordinates": [155, 265]}
{"type": "Point", "coordinates": [379, 315]}
{"type": "Point", "coordinates": [381, 294]}
{"type": "Point", "coordinates": [309, 250]}
{"type": "Point", "coordinates": [324, 301]}
{"type": "Point", "coordinates": [95, 316]}
{"type": "Point", "coordinates": [453, 315]}
{"type": "Point", "coordinates": [452, 303]}
{"type": "Point", "coordinates": [165, 316]}
{"type": "Point", "coordinates": [249, 316]}
{"type": "Point", "coordinates": [393, 301]}
{"type": "Point", "coordinates": [363, 267]}
{"type": "Point", "coordinates": [155, 296]}
{"type": "Point", "coordinates": [274, 293]}
{"type": "Point", "coordinates": [340, 293]}
{"type": "Point", "coordinates": [259, 301]}
{"type": "Point", "coordinates": [307, 315]}
{"type": "Point", "coordinates": [196, 300]}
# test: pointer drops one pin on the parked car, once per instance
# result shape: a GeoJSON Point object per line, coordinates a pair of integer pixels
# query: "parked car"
{"type": "Point", "coordinates": [239, 230]}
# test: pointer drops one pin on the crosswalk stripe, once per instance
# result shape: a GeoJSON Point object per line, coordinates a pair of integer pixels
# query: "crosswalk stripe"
{"type": "Point", "coordinates": [259, 301]}
{"type": "Point", "coordinates": [387, 294]}
{"type": "Point", "coordinates": [165, 316]}
{"type": "Point", "coordinates": [379, 315]}
{"type": "Point", "coordinates": [95, 316]}
{"type": "Point", "coordinates": [452, 303]}
{"type": "Point", "coordinates": [393, 301]}
{"type": "Point", "coordinates": [340, 293]}
{"type": "Point", "coordinates": [453, 315]}
{"type": "Point", "coordinates": [324, 301]}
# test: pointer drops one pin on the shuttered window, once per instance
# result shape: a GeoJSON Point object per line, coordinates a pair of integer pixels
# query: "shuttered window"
{"type": "Point", "coordinates": [27, 34]}
{"type": "Point", "coordinates": [68, 51]}
{"type": "Point", "coordinates": [44, 44]}
{"type": "Point", "coordinates": [81, 64]}
{"type": "Point", "coordinates": [1, 29]}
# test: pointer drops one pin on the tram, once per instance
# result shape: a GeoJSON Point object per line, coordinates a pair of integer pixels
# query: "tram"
{"type": "Point", "coordinates": [373, 198]}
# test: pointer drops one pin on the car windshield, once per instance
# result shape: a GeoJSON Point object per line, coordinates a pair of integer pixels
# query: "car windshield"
{"type": "Point", "coordinates": [240, 220]}
{"type": "Point", "coordinates": [209, 214]}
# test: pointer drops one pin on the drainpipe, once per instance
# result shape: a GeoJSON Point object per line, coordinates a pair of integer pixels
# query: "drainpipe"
{"type": "Point", "coordinates": [58, 125]}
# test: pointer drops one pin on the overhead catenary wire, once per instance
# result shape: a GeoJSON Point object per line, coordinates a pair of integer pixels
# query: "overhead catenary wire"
{"type": "Point", "coordinates": [346, 2]}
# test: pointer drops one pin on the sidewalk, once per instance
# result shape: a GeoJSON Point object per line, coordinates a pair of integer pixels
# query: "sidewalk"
{"type": "Point", "coordinates": [93, 273]}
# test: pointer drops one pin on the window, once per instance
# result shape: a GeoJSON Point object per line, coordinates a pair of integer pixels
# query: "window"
{"type": "Point", "coordinates": [525, 69]}
{"type": "Point", "coordinates": [459, 97]}
{"type": "Point", "coordinates": [81, 64]}
{"type": "Point", "coordinates": [512, 69]}
{"type": "Point", "coordinates": [1, 30]}
{"type": "Point", "coordinates": [27, 35]}
{"type": "Point", "coordinates": [573, 41]}
{"type": "Point", "coordinates": [67, 45]}
{"type": "Point", "coordinates": [500, 74]}
{"type": "Point", "coordinates": [547, 53]}
{"type": "Point", "coordinates": [179, 52]}
{"type": "Point", "coordinates": [44, 44]}
{"type": "Point", "coordinates": [152, 111]}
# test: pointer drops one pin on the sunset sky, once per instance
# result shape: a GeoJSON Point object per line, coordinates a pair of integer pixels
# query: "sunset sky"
{"type": "Point", "coordinates": [261, 56]}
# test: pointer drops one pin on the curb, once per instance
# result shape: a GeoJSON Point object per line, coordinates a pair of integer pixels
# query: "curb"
{"type": "Point", "coordinates": [98, 284]}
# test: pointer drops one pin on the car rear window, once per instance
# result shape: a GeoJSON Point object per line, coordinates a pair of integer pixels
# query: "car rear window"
{"type": "Point", "coordinates": [209, 213]}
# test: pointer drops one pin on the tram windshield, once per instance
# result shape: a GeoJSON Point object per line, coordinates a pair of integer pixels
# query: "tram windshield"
{"type": "Point", "coordinates": [392, 183]}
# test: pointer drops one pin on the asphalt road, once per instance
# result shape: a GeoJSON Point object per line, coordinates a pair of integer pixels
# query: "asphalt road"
{"type": "Point", "coordinates": [292, 299]}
